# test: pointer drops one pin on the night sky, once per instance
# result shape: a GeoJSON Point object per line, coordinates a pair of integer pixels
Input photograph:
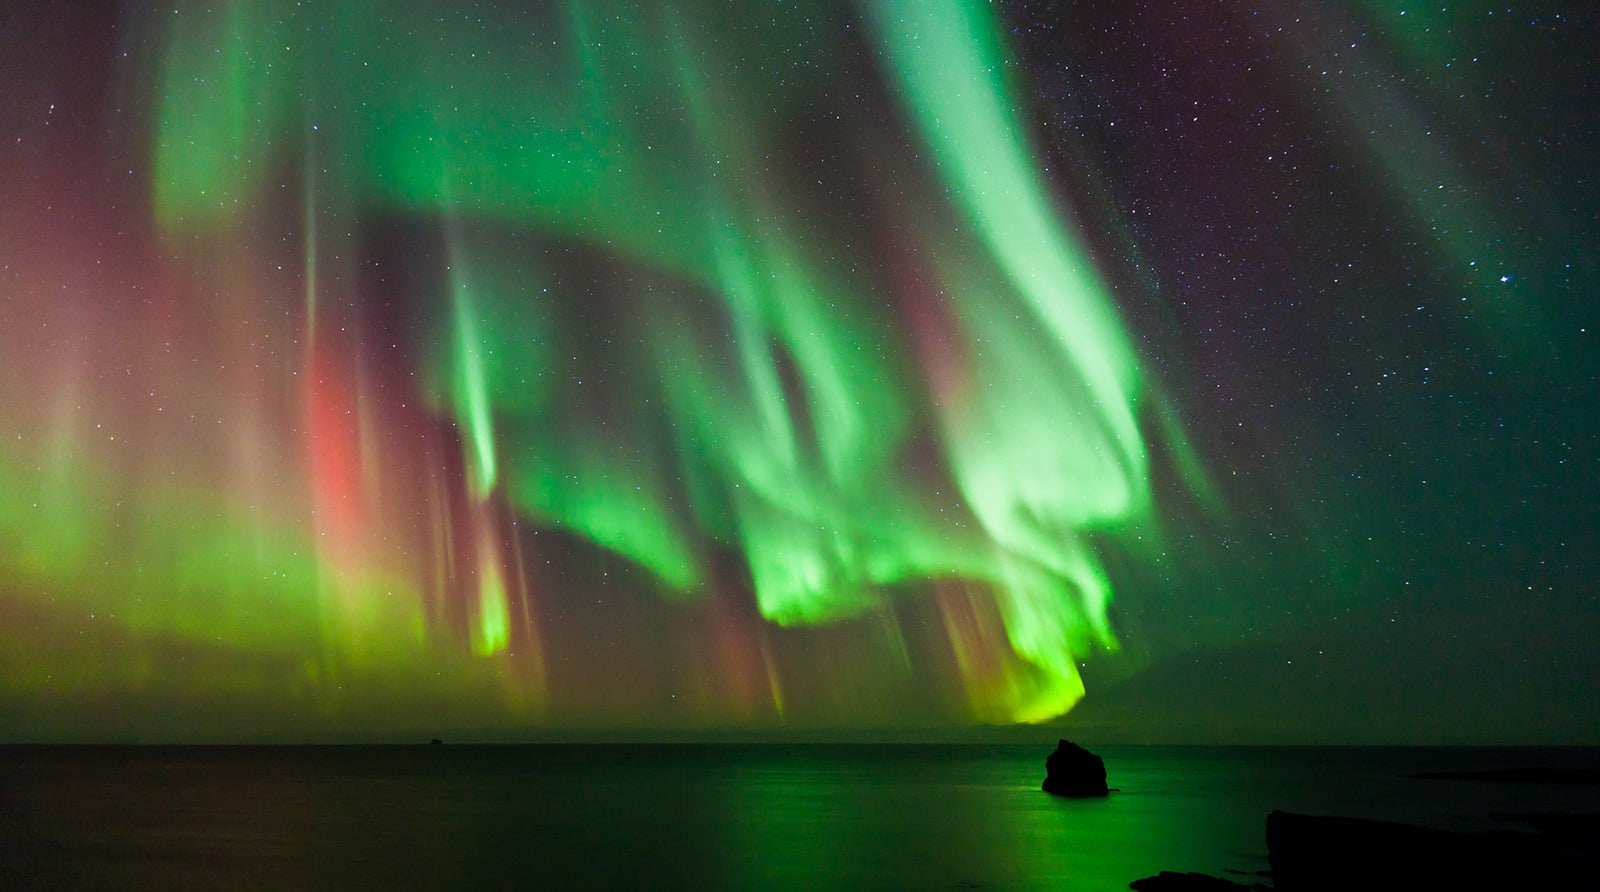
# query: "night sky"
{"type": "Point", "coordinates": [1145, 372]}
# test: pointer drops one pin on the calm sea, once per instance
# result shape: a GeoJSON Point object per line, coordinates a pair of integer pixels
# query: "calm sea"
{"type": "Point", "coordinates": [698, 817]}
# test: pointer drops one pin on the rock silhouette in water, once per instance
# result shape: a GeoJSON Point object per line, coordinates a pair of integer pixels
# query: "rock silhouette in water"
{"type": "Point", "coordinates": [1074, 771]}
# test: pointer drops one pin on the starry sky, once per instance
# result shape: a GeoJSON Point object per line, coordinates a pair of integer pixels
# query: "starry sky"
{"type": "Point", "coordinates": [904, 369]}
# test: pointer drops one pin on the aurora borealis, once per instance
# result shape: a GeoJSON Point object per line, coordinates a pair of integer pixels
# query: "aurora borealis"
{"type": "Point", "coordinates": [381, 367]}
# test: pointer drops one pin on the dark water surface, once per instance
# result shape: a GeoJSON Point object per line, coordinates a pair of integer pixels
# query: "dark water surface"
{"type": "Point", "coordinates": [698, 817]}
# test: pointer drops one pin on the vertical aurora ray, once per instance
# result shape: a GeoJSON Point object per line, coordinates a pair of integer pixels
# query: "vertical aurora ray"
{"type": "Point", "coordinates": [471, 399]}
{"type": "Point", "coordinates": [541, 380]}
{"type": "Point", "coordinates": [1047, 446]}
{"type": "Point", "coordinates": [492, 632]}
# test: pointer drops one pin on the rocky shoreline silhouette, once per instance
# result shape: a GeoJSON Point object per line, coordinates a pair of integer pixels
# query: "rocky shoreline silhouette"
{"type": "Point", "coordinates": [1560, 852]}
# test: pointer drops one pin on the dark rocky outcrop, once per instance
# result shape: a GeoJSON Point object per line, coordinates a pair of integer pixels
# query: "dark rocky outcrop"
{"type": "Point", "coordinates": [1311, 853]}
{"type": "Point", "coordinates": [1317, 852]}
{"type": "Point", "coordinates": [1074, 771]}
{"type": "Point", "coordinates": [1321, 854]}
{"type": "Point", "coordinates": [1172, 881]}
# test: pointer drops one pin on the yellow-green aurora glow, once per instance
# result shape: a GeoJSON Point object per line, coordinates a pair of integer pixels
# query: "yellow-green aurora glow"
{"type": "Point", "coordinates": [760, 321]}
